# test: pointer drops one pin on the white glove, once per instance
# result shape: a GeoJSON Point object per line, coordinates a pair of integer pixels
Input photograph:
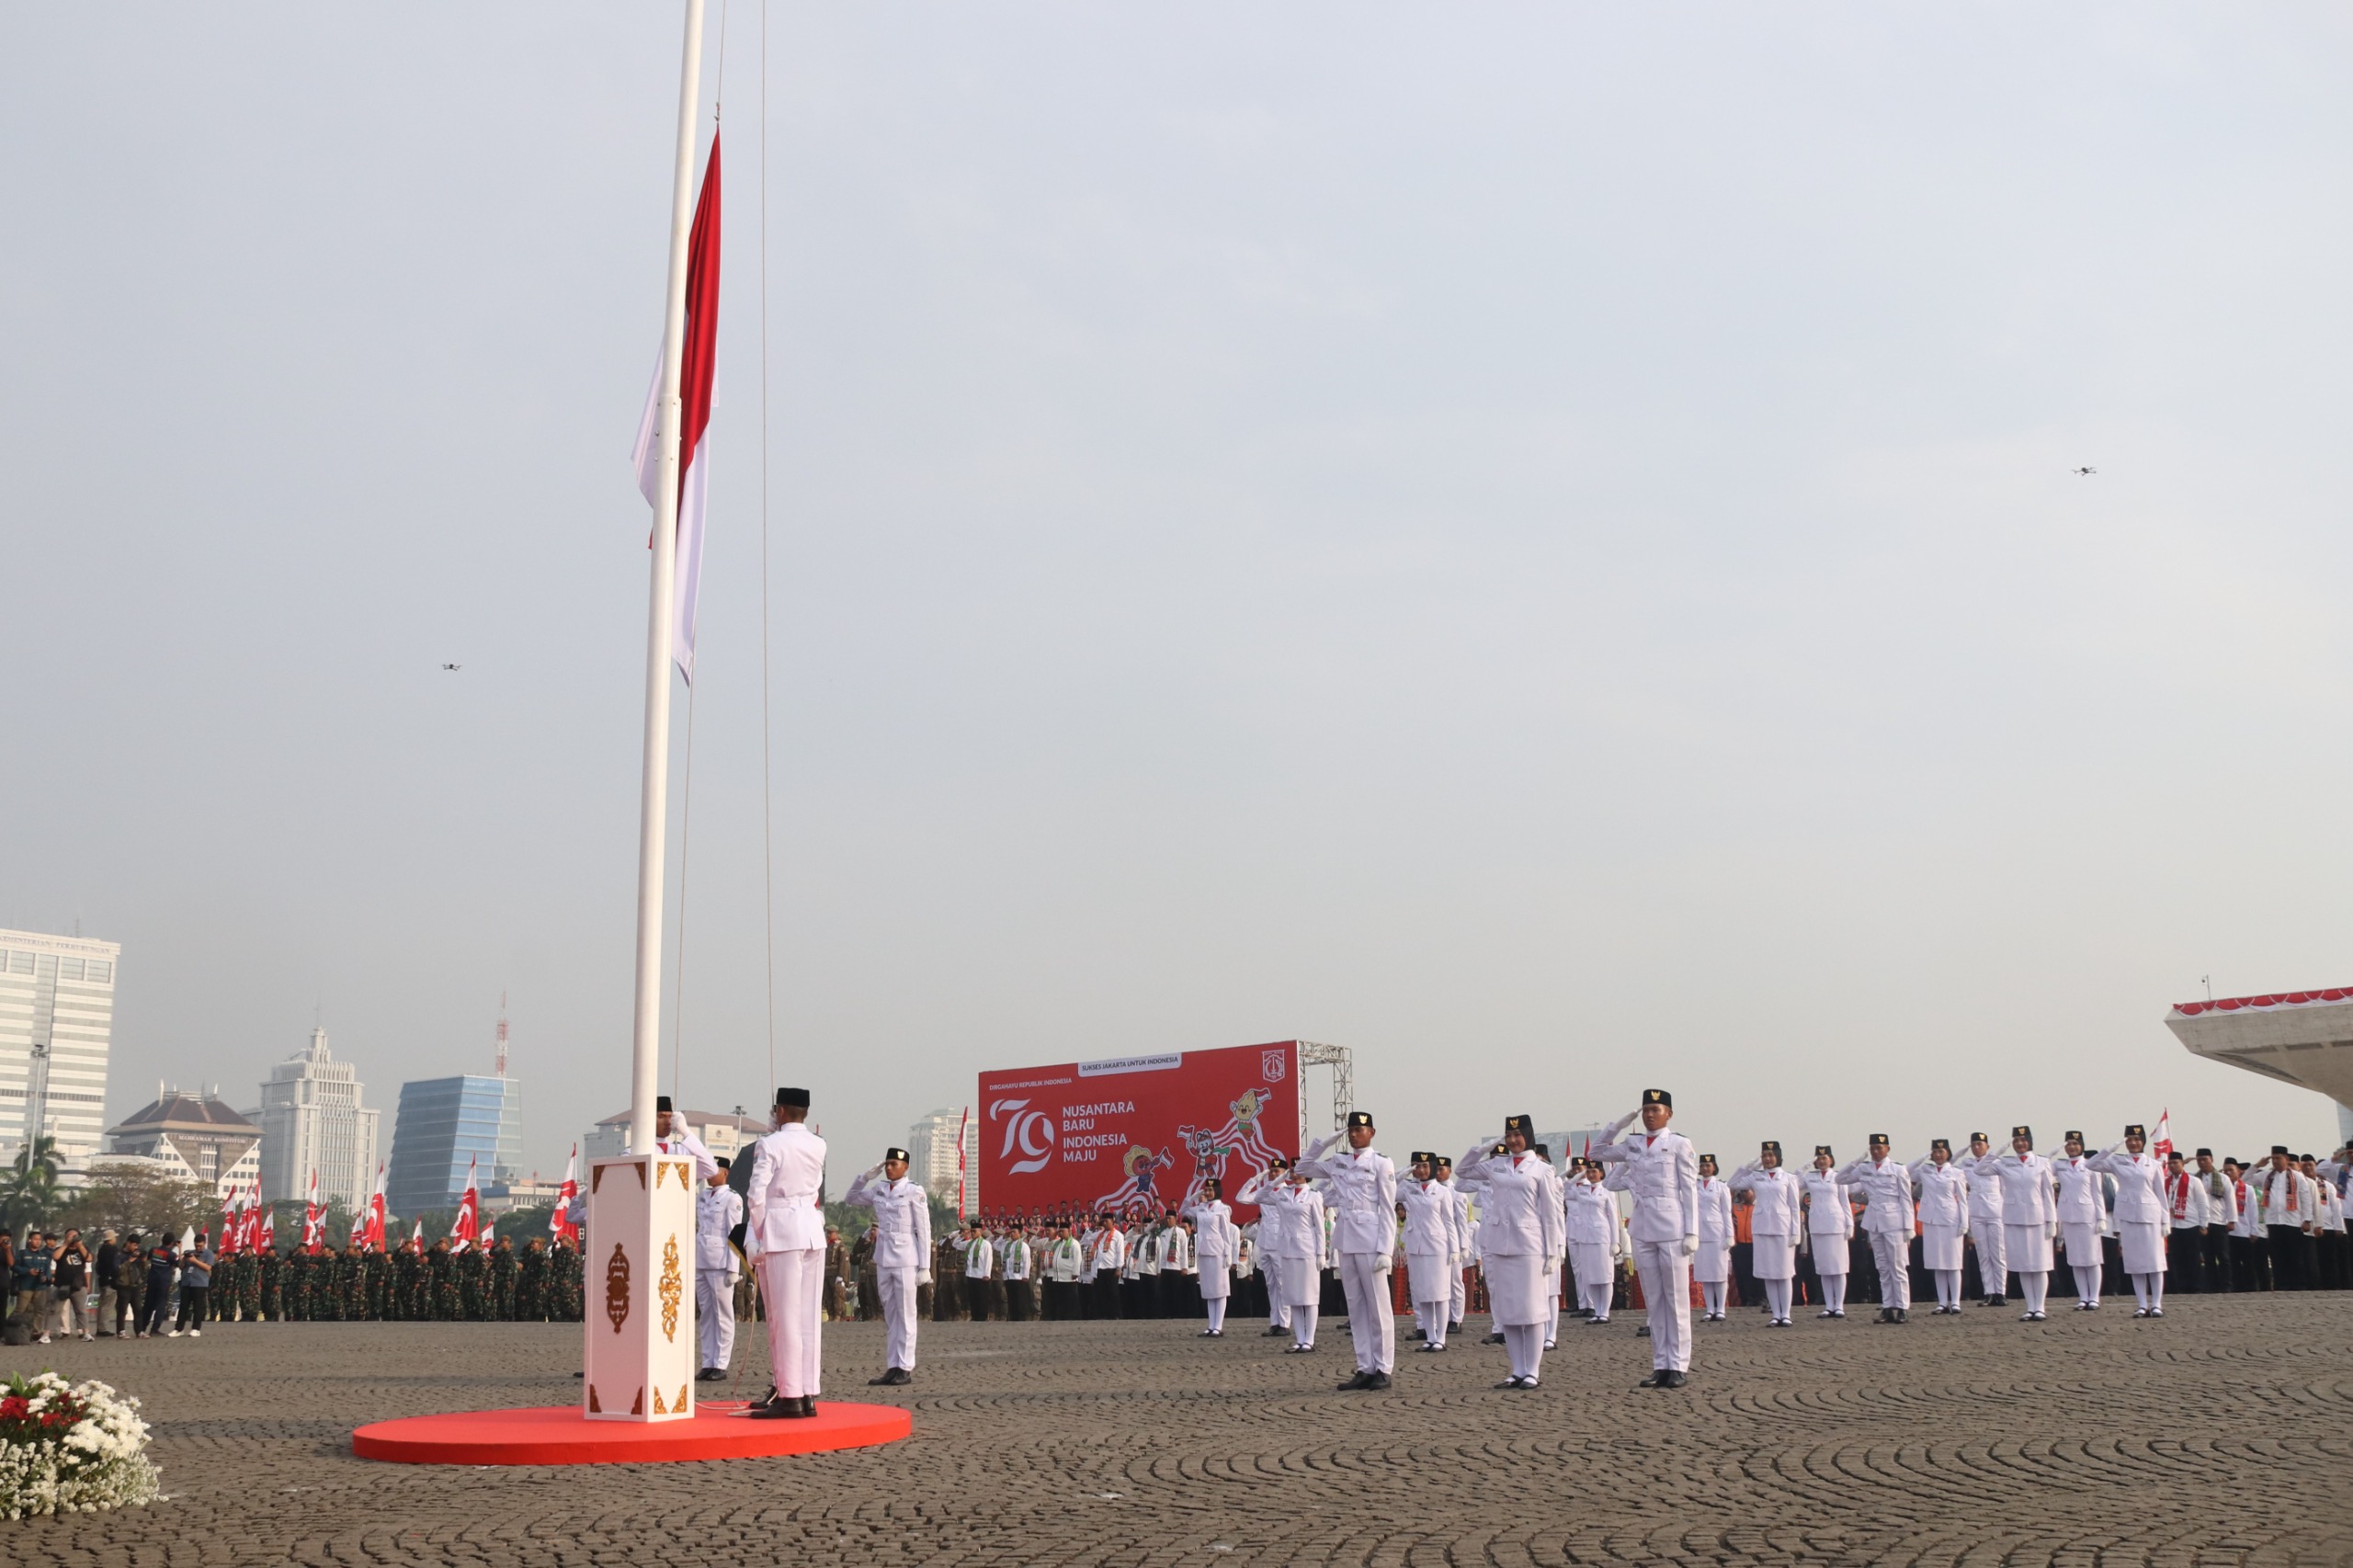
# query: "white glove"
{"type": "Point", "coordinates": [1691, 1246]}
{"type": "Point", "coordinates": [1622, 1123]}
{"type": "Point", "coordinates": [923, 1276]}
{"type": "Point", "coordinates": [2050, 1232]}
{"type": "Point", "coordinates": [1383, 1262]}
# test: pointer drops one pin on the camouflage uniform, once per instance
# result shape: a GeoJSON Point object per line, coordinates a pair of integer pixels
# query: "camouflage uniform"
{"type": "Point", "coordinates": [564, 1299]}
{"type": "Point", "coordinates": [441, 1290]}
{"type": "Point", "coordinates": [531, 1283]}
{"type": "Point", "coordinates": [406, 1296]}
{"type": "Point", "coordinates": [249, 1288]}
{"type": "Point", "coordinates": [273, 1285]}
{"type": "Point", "coordinates": [504, 1268]}
{"type": "Point", "coordinates": [379, 1271]}
{"type": "Point", "coordinates": [473, 1276]}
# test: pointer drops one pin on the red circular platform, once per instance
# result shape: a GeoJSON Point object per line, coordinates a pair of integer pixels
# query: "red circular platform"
{"type": "Point", "coordinates": [562, 1435]}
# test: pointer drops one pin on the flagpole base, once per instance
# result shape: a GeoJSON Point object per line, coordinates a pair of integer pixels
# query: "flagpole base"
{"type": "Point", "coordinates": [563, 1434]}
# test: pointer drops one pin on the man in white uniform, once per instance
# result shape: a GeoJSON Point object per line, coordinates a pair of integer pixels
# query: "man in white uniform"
{"type": "Point", "coordinates": [786, 1230]}
{"type": "Point", "coordinates": [901, 1257]}
{"type": "Point", "coordinates": [1364, 1232]}
{"type": "Point", "coordinates": [1459, 1282]}
{"type": "Point", "coordinates": [717, 1210]}
{"type": "Point", "coordinates": [1887, 1184]}
{"type": "Point", "coordinates": [1986, 1233]}
{"type": "Point", "coordinates": [1663, 1175]}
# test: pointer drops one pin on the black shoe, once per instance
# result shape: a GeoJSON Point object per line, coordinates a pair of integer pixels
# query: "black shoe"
{"type": "Point", "coordinates": [1671, 1380]}
{"type": "Point", "coordinates": [709, 1375]}
{"type": "Point", "coordinates": [1512, 1384]}
{"type": "Point", "coordinates": [1454, 1328]}
{"type": "Point", "coordinates": [1655, 1381]}
{"type": "Point", "coordinates": [1374, 1382]}
{"type": "Point", "coordinates": [1493, 1339]}
{"type": "Point", "coordinates": [1643, 1332]}
{"type": "Point", "coordinates": [1274, 1333]}
{"type": "Point", "coordinates": [1356, 1383]}
{"type": "Point", "coordinates": [1421, 1334]}
{"type": "Point", "coordinates": [1903, 1314]}
{"type": "Point", "coordinates": [897, 1377]}
{"type": "Point", "coordinates": [775, 1410]}
{"type": "Point", "coordinates": [801, 1409]}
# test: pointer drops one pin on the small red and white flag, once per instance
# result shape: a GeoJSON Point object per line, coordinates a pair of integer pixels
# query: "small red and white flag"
{"type": "Point", "coordinates": [372, 1229]}
{"type": "Point", "coordinates": [462, 1234]}
{"type": "Point", "coordinates": [2163, 1144]}
{"type": "Point", "coordinates": [961, 1122]}
{"type": "Point", "coordinates": [417, 1241]}
{"type": "Point", "coordinates": [314, 1219]}
{"type": "Point", "coordinates": [267, 1240]}
{"type": "Point", "coordinates": [560, 1223]}
{"type": "Point", "coordinates": [358, 1236]}
{"type": "Point", "coordinates": [694, 416]}
{"type": "Point", "coordinates": [226, 1238]}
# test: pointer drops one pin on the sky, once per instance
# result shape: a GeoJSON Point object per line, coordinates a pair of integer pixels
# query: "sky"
{"type": "Point", "coordinates": [1539, 542]}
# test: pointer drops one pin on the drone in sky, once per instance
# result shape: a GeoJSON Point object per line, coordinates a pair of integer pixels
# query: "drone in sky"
{"type": "Point", "coordinates": [448, 666]}
{"type": "Point", "coordinates": [2078, 470]}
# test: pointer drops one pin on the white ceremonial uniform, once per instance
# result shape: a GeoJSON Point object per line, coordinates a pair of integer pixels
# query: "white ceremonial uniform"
{"type": "Point", "coordinates": [786, 1230]}
{"type": "Point", "coordinates": [682, 1141]}
{"type": "Point", "coordinates": [1466, 1254]}
{"type": "Point", "coordinates": [1829, 1221]}
{"type": "Point", "coordinates": [901, 1256]}
{"type": "Point", "coordinates": [1887, 1184]}
{"type": "Point", "coordinates": [1776, 1226]}
{"type": "Point", "coordinates": [1430, 1243]}
{"type": "Point", "coordinates": [2030, 1219]}
{"type": "Point", "coordinates": [1943, 1192]}
{"type": "Point", "coordinates": [2142, 1218]}
{"type": "Point", "coordinates": [1522, 1232]}
{"type": "Point", "coordinates": [2083, 1220]}
{"type": "Point", "coordinates": [717, 1210]}
{"type": "Point", "coordinates": [1664, 1175]}
{"type": "Point", "coordinates": [1712, 1265]}
{"type": "Point", "coordinates": [1364, 1233]}
{"type": "Point", "coordinates": [1217, 1249]}
{"type": "Point", "coordinates": [1985, 1231]}
{"type": "Point", "coordinates": [1596, 1240]}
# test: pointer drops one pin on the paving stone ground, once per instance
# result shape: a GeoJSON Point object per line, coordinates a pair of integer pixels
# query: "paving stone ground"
{"type": "Point", "coordinates": [2222, 1435]}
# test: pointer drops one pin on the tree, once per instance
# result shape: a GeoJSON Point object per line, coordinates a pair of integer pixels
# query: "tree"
{"type": "Point", "coordinates": [28, 1191]}
{"type": "Point", "coordinates": [125, 1196]}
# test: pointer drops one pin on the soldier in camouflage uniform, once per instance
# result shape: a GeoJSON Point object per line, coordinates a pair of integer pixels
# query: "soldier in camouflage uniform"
{"type": "Point", "coordinates": [407, 1293]}
{"type": "Point", "coordinates": [273, 1282]}
{"type": "Point", "coordinates": [504, 1270]}
{"type": "Point", "coordinates": [378, 1269]}
{"type": "Point", "coordinates": [351, 1286]}
{"type": "Point", "coordinates": [564, 1301]}
{"type": "Point", "coordinates": [531, 1282]}
{"type": "Point", "coordinates": [249, 1287]}
{"type": "Point", "coordinates": [441, 1290]}
{"type": "Point", "coordinates": [471, 1277]}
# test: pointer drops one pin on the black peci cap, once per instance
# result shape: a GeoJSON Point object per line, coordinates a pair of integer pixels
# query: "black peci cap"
{"type": "Point", "coordinates": [662, 1102]}
{"type": "Point", "coordinates": [1879, 1138]}
{"type": "Point", "coordinates": [1444, 1161]}
{"type": "Point", "coordinates": [1543, 1151]}
{"type": "Point", "coordinates": [1937, 1144]}
{"type": "Point", "coordinates": [2206, 1153]}
{"type": "Point", "coordinates": [1658, 1097]}
{"type": "Point", "coordinates": [792, 1099]}
{"type": "Point", "coordinates": [1770, 1146]}
{"type": "Point", "coordinates": [1710, 1159]}
{"type": "Point", "coordinates": [1523, 1125]}
{"type": "Point", "coordinates": [1422, 1157]}
{"type": "Point", "coordinates": [1359, 1119]}
{"type": "Point", "coordinates": [2023, 1130]}
{"type": "Point", "coordinates": [722, 1162]}
{"type": "Point", "coordinates": [2278, 1148]}
{"type": "Point", "coordinates": [1979, 1138]}
{"type": "Point", "coordinates": [893, 1152]}
{"type": "Point", "coordinates": [2073, 1136]}
{"type": "Point", "coordinates": [2135, 1130]}
{"type": "Point", "coordinates": [1821, 1148]}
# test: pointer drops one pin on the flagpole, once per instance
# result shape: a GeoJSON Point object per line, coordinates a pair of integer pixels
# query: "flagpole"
{"type": "Point", "coordinates": [645, 1040]}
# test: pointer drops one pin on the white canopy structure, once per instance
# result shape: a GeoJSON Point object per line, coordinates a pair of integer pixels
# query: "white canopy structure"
{"type": "Point", "coordinates": [2304, 1038]}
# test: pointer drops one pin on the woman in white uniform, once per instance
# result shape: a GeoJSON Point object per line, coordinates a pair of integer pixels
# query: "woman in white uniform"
{"type": "Point", "coordinates": [1596, 1235]}
{"type": "Point", "coordinates": [2083, 1218]}
{"type": "Point", "coordinates": [1428, 1205]}
{"type": "Point", "coordinates": [1217, 1248]}
{"type": "Point", "coordinates": [2029, 1217]}
{"type": "Point", "coordinates": [2141, 1218]}
{"type": "Point", "coordinates": [1521, 1242]}
{"type": "Point", "coordinates": [1829, 1221]}
{"type": "Point", "coordinates": [1712, 1265]}
{"type": "Point", "coordinates": [1943, 1190]}
{"type": "Point", "coordinates": [1776, 1226]}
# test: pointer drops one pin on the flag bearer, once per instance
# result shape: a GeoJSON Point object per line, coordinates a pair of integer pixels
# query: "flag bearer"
{"type": "Point", "coordinates": [2029, 1217]}
{"type": "Point", "coordinates": [787, 1229]}
{"type": "Point", "coordinates": [1663, 1171]}
{"type": "Point", "coordinates": [1985, 1225]}
{"type": "Point", "coordinates": [1712, 1264]}
{"type": "Point", "coordinates": [1888, 1223]}
{"type": "Point", "coordinates": [1364, 1233]}
{"type": "Point", "coordinates": [901, 1256]}
{"type": "Point", "coordinates": [717, 1210]}
{"type": "Point", "coordinates": [1943, 1190]}
{"type": "Point", "coordinates": [1520, 1238]}
{"type": "Point", "coordinates": [2141, 1218]}
{"type": "Point", "coordinates": [1776, 1226]}
{"type": "Point", "coordinates": [1829, 1224]}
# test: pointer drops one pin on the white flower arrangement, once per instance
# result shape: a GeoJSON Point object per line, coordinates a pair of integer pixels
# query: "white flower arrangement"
{"type": "Point", "coordinates": [71, 1448]}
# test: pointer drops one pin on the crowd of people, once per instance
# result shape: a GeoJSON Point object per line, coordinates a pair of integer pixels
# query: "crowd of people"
{"type": "Point", "coordinates": [133, 1286]}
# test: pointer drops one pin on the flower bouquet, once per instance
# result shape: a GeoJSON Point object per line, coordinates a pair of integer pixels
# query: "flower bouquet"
{"type": "Point", "coordinates": [70, 1449]}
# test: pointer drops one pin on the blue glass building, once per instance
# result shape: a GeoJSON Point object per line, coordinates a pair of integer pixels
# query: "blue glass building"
{"type": "Point", "coordinates": [443, 1124]}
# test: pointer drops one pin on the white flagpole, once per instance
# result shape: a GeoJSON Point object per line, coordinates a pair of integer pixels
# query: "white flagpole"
{"type": "Point", "coordinates": [645, 1040]}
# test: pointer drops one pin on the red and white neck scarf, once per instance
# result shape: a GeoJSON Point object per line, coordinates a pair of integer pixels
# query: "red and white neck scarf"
{"type": "Point", "coordinates": [2181, 1196]}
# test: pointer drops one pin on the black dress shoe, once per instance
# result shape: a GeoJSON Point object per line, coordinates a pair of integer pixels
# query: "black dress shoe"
{"type": "Point", "coordinates": [1454, 1328]}
{"type": "Point", "coordinates": [1509, 1383]}
{"type": "Point", "coordinates": [1671, 1380]}
{"type": "Point", "coordinates": [1655, 1381]}
{"type": "Point", "coordinates": [1356, 1383]}
{"type": "Point", "coordinates": [1273, 1332]}
{"type": "Point", "coordinates": [1376, 1381]}
{"type": "Point", "coordinates": [775, 1410]}
{"type": "Point", "coordinates": [801, 1409]}
{"type": "Point", "coordinates": [1493, 1339]}
{"type": "Point", "coordinates": [709, 1375]}
{"type": "Point", "coordinates": [895, 1378]}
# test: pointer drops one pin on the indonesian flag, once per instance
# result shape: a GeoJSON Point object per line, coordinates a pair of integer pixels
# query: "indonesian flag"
{"type": "Point", "coordinates": [462, 1234]}
{"type": "Point", "coordinates": [314, 1219]}
{"type": "Point", "coordinates": [227, 1234]}
{"type": "Point", "coordinates": [961, 1122]}
{"type": "Point", "coordinates": [372, 1231]}
{"type": "Point", "coordinates": [694, 416]}
{"type": "Point", "coordinates": [360, 1229]}
{"type": "Point", "coordinates": [249, 1222]}
{"type": "Point", "coordinates": [560, 1223]}
{"type": "Point", "coordinates": [268, 1237]}
{"type": "Point", "coordinates": [2163, 1145]}
{"type": "Point", "coordinates": [417, 1241]}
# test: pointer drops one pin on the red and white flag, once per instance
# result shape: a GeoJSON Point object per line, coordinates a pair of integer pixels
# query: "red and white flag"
{"type": "Point", "coordinates": [417, 1241]}
{"type": "Point", "coordinates": [560, 1223]}
{"type": "Point", "coordinates": [224, 1240]}
{"type": "Point", "coordinates": [267, 1240]}
{"type": "Point", "coordinates": [372, 1222]}
{"type": "Point", "coordinates": [2163, 1145]}
{"type": "Point", "coordinates": [462, 1234]}
{"type": "Point", "coordinates": [358, 1236]}
{"type": "Point", "coordinates": [961, 1122]}
{"type": "Point", "coordinates": [314, 1219]}
{"type": "Point", "coordinates": [249, 1223]}
{"type": "Point", "coordinates": [694, 416]}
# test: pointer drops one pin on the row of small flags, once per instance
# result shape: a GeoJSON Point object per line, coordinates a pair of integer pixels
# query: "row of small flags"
{"type": "Point", "coordinates": [248, 1225]}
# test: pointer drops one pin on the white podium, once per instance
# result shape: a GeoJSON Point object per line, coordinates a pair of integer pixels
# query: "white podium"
{"type": "Point", "coordinates": [639, 1289]}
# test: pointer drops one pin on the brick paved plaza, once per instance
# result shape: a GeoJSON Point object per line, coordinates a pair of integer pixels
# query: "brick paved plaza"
{"type": "Point", "coordinates": [2222, 1435]}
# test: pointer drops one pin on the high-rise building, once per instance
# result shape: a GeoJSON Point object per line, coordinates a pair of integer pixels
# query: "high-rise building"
{"type": "Point", "coordinates": [931, 1157]}
{"type": "Point", "coordinates": [311, 1119]}
{"type": "Point", "coordinates": [446, 1125]}
{"type": "Point", "coordinates": [195, 1136]}
{"type": "Point", "coordinates": [56, 1026]}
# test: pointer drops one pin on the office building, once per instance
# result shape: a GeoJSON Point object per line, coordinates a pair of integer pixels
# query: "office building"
{"type": "Point", "coordinates": [56, 1029]}
{"type": "Point", "coordinates": [445, 1127]}
{"type": "Point", "coordinates": [197, 1137]}
{"type": "Point", "coordinates": [932, 1156]}
{"type": "Point", "coordinates": [312, 1118]}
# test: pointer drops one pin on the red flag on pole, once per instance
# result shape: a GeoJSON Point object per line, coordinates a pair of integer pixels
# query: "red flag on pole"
{"type": "Point", "coordinates": [961, 1122]}
{"type": "Point", "coordinates": [697, 364]}
{"type": "Point", "coordinates": [372, 1220]}
{"type": "Point", "coordinates": [2164, 1145]}
{"type": "Point", "coordinates": [560, 1223]}
{"type": "Point", "coordinates": [461, 1234]}
{"type": "Point", "coordinates": [314, 1219]}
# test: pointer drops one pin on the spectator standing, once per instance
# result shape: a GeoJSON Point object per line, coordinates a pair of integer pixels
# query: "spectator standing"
{"type": "Point", "coordinates": [104, 1266]}
{"type": "Point", "coordinates": [75, 1313]}
{"type": "Point", "coordinates": [36, 1276]}
{"type": "Point", "coordinates": [130, 1279]}
{"type": "Point", "coordinates": [163, 1269]}
{"type": "Point", "coordinates": [195, 1290]}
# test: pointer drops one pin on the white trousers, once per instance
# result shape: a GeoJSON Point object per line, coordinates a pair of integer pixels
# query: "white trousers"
{"type": "Point", "coordinates": [1777, 1298]}
{"type": "Point", "coordinates": [1270, 1269]}
{"type": "Point", "coordinates": [1553, 1285]}
{"type": "Point", "coordinates": [1893, 1251]}
{"type": "Point", "coordinates": [715, 1315]}
{"type": "Point", "coordinates": [897, 1288]}
{"type": "Point", "coordinates": [1372, 1327]}
{"type": "Point", "coordinates": [1460, 1297]}
{"type": "Point", "coordinates": [1430, 1316]}
{"type": "Point", "coordinates": [1993, 1256]}
{"type": "Point", "coordinates": [791, 1288]}
{"type": "Point", "coordinates": [1594, 1294]}
{"type": "Point", "coordinates": [1666, 1296]}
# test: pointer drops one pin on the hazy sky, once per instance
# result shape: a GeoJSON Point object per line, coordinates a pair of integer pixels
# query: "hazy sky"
{"type": "Point", "coordinates": [1536, 542]}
